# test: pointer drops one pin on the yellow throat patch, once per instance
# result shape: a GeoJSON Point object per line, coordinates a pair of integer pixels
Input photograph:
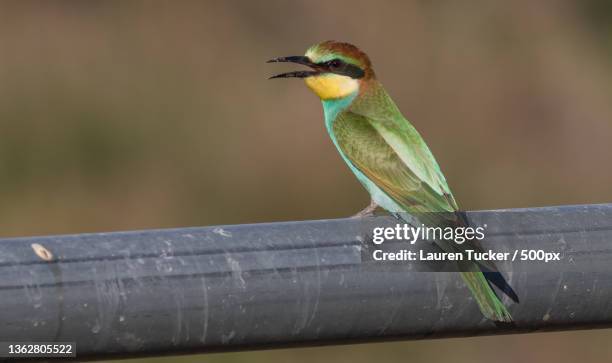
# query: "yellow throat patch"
{"type": "Point", "coordinates": [331, 86]}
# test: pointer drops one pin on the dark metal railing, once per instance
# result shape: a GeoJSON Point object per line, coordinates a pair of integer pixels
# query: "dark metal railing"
{"type": "Point", "coordinates": [289, 284]}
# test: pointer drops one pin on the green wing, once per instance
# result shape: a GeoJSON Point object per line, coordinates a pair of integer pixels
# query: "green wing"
{"type": "Point", "coordinates": [395, 158]}
{"type": "Point", "coordinates": [392, 155]}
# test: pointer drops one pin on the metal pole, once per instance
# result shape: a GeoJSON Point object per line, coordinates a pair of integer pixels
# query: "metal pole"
{"type": "Point", "coordinates": [289, 284]}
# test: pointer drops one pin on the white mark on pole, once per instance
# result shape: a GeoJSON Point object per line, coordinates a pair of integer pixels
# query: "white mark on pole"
{"type": "Point", "coordinates": [221, 232]}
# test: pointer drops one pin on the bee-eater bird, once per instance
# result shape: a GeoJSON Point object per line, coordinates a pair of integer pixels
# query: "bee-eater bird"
{"type": "Point", "coordinates": [389, 157]}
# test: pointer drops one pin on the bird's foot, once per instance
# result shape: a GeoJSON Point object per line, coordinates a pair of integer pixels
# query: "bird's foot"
{"type": "Point", "coordinates": [367, 211]}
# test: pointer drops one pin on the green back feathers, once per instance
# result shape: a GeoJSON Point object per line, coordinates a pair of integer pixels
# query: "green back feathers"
{"type": "Point", "coordinates": [389, 150]}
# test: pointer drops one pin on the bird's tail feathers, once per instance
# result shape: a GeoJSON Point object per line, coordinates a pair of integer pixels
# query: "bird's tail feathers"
{"type": "Point", "coordinates": [497, 279]}
{"type": "Point", "coordinates": [489, 303]}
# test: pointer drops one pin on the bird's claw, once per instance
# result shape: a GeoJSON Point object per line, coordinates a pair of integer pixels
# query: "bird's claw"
{"type": "Point", "coordinates": [367, 211]}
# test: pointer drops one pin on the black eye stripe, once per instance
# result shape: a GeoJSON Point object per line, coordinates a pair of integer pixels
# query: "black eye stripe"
{"type": "Point", "coordinates": [338, 66]}
{"type": "Point", "coordinates": [353, 71]}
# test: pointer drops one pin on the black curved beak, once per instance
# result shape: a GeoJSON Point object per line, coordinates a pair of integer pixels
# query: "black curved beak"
{"type": "Point", "coordinates": [295, 59]}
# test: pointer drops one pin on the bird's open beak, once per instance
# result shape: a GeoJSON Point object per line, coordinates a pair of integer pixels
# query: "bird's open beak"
{"type": "Point", "coordinates": [299, 59]}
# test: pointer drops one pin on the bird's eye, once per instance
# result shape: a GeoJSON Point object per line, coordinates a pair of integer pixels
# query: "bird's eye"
{"type": "Point", "coordinates": [335, 63]}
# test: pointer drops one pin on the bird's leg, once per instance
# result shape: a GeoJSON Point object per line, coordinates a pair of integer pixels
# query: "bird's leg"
{"type": "Point", "coordinates": [368, 211]}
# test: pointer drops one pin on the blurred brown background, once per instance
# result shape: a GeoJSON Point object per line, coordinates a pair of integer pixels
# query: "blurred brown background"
{"type": "Point", "coordinates": [133, 115]}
